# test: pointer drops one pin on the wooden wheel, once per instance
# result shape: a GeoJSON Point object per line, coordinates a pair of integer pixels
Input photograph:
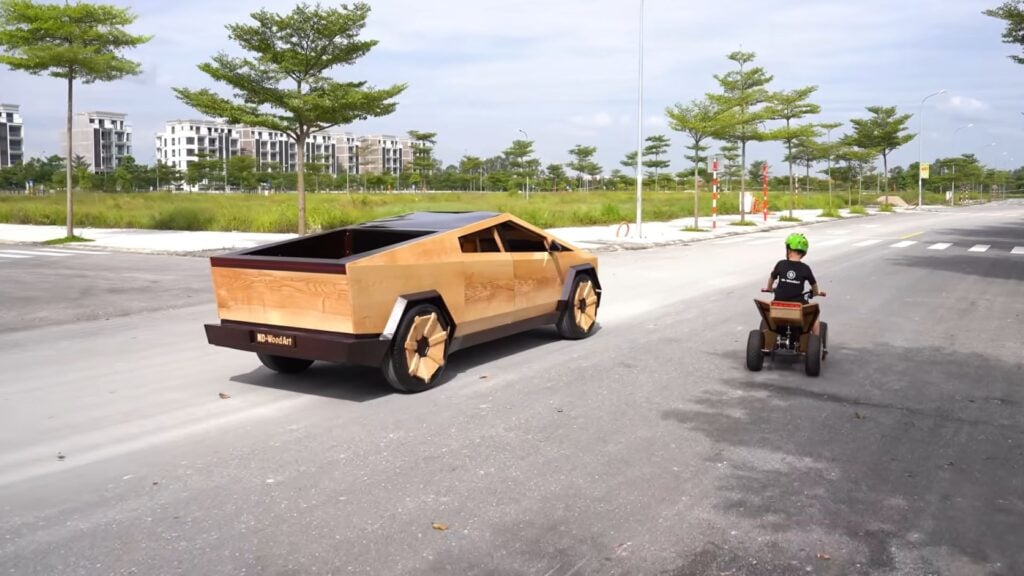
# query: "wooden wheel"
{"type": "Point", "coordinates": [580, 315]}
{"type": "Point", "coordinates": [419, 351]}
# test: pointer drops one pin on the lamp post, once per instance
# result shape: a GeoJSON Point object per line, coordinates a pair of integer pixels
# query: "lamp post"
{"type": "Point", "coordinates": [952, 190]}
{"type": "Point", "coordinates": [920, 149]}
{"type": "Point", "coordinates": [640, 130]}
{"type": "Point", "coordinates": [527, 173]}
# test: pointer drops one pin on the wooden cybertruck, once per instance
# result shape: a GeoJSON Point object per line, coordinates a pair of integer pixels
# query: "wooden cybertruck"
{"type": "Point", "coordinates": [401, 293]}
{"type": "Point", "coordinates": [786, 332]}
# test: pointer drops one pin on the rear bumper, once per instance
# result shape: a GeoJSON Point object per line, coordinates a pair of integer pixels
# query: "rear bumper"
{"type": "Point", "coordinates": [299, 343]}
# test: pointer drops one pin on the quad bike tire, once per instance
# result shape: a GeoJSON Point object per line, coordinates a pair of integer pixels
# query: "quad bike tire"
{"type": "Point", "coordinates": [284, 364]}
{"type": "Point", "coordinates": [419, 350]}
{"type": "Point", "coordinates": [824, 340]}
{"type": "Point", "coordinates": [755, 356]}
{"type": "Point", "coordinates": [813, 362]}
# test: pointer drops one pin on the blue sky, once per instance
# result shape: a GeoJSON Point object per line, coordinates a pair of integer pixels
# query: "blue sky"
{"type": "Point", "coordinates": [565, 71]}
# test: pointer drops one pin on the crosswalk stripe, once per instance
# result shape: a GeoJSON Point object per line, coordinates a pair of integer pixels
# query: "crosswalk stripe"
{"type": "Point", "coordinates": [979, 248]}
{"type": "Point", "coordinates": [867, 243]}
{"type": "Point", "coordinates": [59, 251]}
{"type": "Point", "coordinates": [2, 255]}
{"type": "Point", "coordinates": [33, 253]}
{"type": "Point", "coordinates": [831, 242]}
{"type": "Point", "coordinates": [940, 246]}
{"type": "Point", "coordinates": [903, 244]}
{"type": "Point", "coordinates": [1017, 250]}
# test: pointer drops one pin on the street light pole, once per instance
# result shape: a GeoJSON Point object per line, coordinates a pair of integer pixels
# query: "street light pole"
{"type": "Point", "coordinates": [952, 190]}
{"type": "Point", "coordinates": [527, 173]}
{"type": "Point", "coordinates": [640, 130]}
{"type": "Point", "coordinates": [920, 149]}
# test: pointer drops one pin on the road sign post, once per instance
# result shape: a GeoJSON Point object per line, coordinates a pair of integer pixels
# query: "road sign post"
{"type": "Point", "coordinates": [764, 183]}
{"type": "Point", "coordinates": [714, 194]}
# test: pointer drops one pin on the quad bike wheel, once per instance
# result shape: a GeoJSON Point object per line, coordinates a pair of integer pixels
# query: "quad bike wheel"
{"type": "Point", "coordinates": [813, 361]}
{"type": "Point", "coordinates": [824, 340]}
{"type": "Point", "coordinates": [755, 356]}
{"type": "Point", "coordinates": [418, 352]}
{"type": "Point", "coordinates": [580, 315]}
{"type": "Point", "coordinates": [284, 364]}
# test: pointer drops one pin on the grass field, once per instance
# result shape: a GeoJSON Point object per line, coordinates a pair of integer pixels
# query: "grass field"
{"type": "Point", "coordinates": [278, 212]}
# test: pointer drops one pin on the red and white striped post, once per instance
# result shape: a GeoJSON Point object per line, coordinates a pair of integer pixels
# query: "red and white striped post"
{"type": "Point", "coordinates": [714, 194]}
{"type": "Point", "coordinates": [764, 181]}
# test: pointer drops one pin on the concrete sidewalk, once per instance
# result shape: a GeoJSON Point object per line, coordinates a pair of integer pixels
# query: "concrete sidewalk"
{"type": "Point", "coordinates": [596, 238]}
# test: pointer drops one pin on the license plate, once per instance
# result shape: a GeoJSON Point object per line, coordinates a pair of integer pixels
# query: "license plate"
{"type": "Point", "coordinates": [268, 339]}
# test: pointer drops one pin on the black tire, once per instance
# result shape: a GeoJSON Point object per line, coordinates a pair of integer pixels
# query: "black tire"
{"type": "Point", "coordinates": [823, 328]}
{"type": "Point", "coordinates": [580, 315]}
{"type": "Point", "coordinates": [755, 356]}
{"type": "Point", "coordinates": [813, 362]}
{"type": "Point", "coordinates": [284, 364]}
{"type": "Point", "coordinates": [413, 363]}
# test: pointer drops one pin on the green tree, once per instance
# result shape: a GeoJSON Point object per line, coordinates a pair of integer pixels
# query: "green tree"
{"type": "Point", "coordinates": [79, 41]}
{"type": "Point", "coordinates": [699, 120]}
{"type": "Point", "coordinates": [1012, 12]}
{"type": "Point", "coordinates": [242, 172]}
{"type": "Point", "coordinates": [744, 97]}
{"type": "Point", "coordinates": [630, 162]}
{"type": "Point", "coordinates": [657, 146]}
{"type": "Point", "coordinates": [557, 174]}
{"type": "Point", "coordinates": [82, 171]}
{"type": "Point", "coordinates": [127, 174]}
{"type": "Point", "coordinates": [423, 154]}
{"type": "Point", "coordinates": [285, 86]}
{"type": "Point", "coordinates": [519, 162]}
{"type": "Point", "coordinates": [473, 167]}
{"type": "Point", "coordinates": [730, 152]}
{"type": "Point", "coordinates": [583, 162]}
{"type": "Point", "coordinates": [882, 133]}
{"type": "Point", "coordinates": [790, 105]}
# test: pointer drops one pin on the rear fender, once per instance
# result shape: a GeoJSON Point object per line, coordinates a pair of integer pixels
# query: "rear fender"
{"type": "Point", "coordinates": [407, 301]}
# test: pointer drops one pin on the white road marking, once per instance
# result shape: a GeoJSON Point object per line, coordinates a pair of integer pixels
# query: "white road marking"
{"type": "Point", "coordinates": [32, 253]}
{"type": "Point", "coordinates": [867, 243]}
{"type": "Point", "coordinates": [979, 248]}
{"type": "Point", "coordinates": [940, 246]}
{"type": "Point", "coordinates": [903, 244]}
{"type": "Point", "coordinates": [1017, 250]}
{"type": "Point", "coordinates": [58, 251]}
{"type": "Point", "coordinates": [831, 242]}
{"type": "Point", "coordinates": [2, 255]}
{"type": "Point", "coordinates": [734, 240]}
{"type": "Point", "coordinates": [767, 241]}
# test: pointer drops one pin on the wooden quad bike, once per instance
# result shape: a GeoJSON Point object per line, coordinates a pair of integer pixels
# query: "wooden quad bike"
{"type": "Point", "coordinates": [786, 332]}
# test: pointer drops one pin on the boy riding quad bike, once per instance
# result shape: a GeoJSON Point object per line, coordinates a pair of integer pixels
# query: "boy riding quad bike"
{"type": "Point", "coordinates": [789, 324]}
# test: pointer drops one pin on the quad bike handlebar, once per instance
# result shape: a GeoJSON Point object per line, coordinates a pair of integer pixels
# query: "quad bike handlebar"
{"type": "Point", "coordinates": [808, 294]}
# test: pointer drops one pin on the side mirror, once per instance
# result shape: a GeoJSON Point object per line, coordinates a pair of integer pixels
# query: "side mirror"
{"type": "Point", "coordinates": [554, 246]}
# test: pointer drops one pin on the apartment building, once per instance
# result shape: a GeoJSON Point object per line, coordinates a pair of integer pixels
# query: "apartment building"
{"type": "Point", "coordinates": [103, 139]}
{"type": "Point", "coordinates": [278, 151]}
{"type": "Point", "coordinates": [12, 134]}
{"type": "Point", "coordinates": [383, 154]}
{"type": "Point", "coordinates": [347, 147]}
{"type": "Point", "coordinates": [185, 141]}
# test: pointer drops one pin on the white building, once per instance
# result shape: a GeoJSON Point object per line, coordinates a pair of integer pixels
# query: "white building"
{"type": "Point", "coordinates": [103, 139]}
{"type": "Point", "coordinates": [185, 141]}
{"type": "Point", "coordinates": [12, 134]}
{"type": "Point", "coordinates": [382, 154]}
{"type": "Point", "coordinates": [276, 151]}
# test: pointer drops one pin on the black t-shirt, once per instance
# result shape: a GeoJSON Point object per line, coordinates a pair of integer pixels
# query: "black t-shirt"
{"type": "Point", "coordinates": [792, 275]}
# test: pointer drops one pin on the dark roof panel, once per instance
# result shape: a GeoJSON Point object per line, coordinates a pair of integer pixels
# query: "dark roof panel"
{"type": "Point", "coordinates": [429, 221]}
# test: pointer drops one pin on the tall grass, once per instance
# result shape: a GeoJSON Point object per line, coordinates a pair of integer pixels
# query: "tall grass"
{"type": "Point", "coordinates": [277, 212]}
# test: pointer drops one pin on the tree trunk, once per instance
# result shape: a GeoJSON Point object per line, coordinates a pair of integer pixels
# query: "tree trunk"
{"type": "Point", "coordinates": [67, 164]}
{"type": "Point", "coordinates": [300, 143]}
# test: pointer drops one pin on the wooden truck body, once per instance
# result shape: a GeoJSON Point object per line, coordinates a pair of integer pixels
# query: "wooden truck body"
{"type": "Point", "coordinates": [401, 293]}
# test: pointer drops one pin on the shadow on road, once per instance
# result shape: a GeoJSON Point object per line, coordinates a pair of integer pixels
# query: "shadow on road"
{"type": "Point", "coordinates": [361, 384]}
{"type": "Point", "coordinates": [987, 265]}
{"type": "Point", "coordinates": [909, 471]}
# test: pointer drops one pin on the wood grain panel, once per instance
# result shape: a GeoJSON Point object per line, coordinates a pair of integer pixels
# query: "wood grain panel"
{"type": "Point", "coordinates": [539, 279]}
{"type": "Point", "coordinates": [282, 298]}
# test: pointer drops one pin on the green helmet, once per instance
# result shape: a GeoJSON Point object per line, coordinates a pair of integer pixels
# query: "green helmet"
{"type": "Point", "coordinates": [797, 242]}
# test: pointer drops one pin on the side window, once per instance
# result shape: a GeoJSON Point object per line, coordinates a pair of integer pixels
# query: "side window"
{"type": "Point", "coordinates": [482, 241]}
{"type": "Point", "coordinates": [518, 239]}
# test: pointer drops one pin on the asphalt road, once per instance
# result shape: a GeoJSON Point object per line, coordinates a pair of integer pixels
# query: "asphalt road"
{"type": "Point", "coordinates": [646, 449]}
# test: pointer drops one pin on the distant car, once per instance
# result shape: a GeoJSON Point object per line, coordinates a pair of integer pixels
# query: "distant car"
{"type": "Point", "coordinates": [401, 293]}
